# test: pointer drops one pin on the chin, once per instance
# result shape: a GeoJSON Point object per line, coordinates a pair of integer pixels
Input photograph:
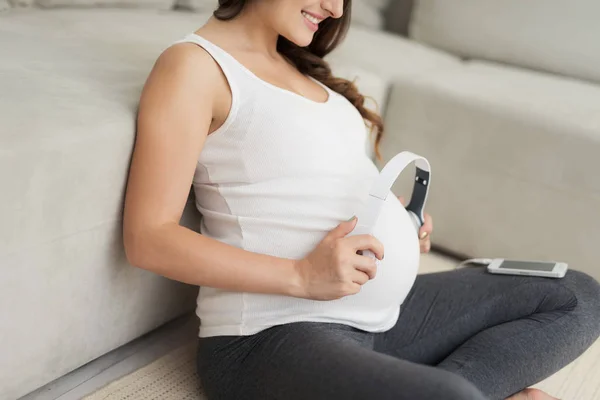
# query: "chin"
{"type": "Point", "coordinates": [301, 39]}
{"type": "Point", "coordinates": [304, 42]}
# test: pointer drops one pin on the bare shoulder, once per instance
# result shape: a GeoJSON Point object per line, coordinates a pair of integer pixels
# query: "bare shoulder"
{"type": "Point", "coordinates": [187, 55]}
{"type": "Point", "coordinates": [186, 73]}
{"type": "Point", "coordinates": [186, 64]}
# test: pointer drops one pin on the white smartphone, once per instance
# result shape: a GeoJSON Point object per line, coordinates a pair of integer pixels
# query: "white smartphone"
{"type": "Point", "coordinates": [548, 269]}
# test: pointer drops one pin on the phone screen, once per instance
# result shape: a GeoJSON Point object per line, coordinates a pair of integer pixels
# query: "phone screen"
{"type": "Point", "coordinates": [528, 265]}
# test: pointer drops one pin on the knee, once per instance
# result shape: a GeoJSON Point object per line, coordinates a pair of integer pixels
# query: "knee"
{"type": "Point", "coordinates": [584, 286]}
{"type": "Point", "coordinates": [586, 290]}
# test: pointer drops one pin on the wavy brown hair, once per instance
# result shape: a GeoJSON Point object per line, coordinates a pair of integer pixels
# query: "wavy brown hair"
{"type": "Point", "coordinates": [309, 60]}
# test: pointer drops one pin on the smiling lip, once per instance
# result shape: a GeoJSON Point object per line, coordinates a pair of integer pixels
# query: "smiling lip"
{"type": "Point", "coordinates": [319, 17]}
{"type": "Point", "coordinates": [311, 25]}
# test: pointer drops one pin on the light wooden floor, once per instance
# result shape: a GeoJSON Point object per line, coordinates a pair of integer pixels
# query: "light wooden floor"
{"type": "Point", "coordinates": [578, 381]}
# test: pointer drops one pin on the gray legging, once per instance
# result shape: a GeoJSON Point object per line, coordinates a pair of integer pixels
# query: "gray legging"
{"type": "Point", "coordinates": [462, 334]}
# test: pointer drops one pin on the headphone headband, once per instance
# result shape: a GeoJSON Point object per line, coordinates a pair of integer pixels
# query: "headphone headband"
{"type": "Point", "coordinates": [383, 184]}
{"type": "Point", "coordinates": [390, 172]}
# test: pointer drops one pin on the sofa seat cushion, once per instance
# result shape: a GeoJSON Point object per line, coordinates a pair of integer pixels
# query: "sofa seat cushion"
{"type": "Point", "coordinates": [514, 155]}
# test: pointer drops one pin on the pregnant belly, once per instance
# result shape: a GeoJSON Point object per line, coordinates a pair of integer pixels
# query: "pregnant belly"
{"type": "Point", "coordinates": [396, 273]}
{"type": "Point", "coordinates": [372, 308]}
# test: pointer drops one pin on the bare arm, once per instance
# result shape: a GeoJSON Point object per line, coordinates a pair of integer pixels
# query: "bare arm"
{"type": "Point", "coordinates": [176, 109]}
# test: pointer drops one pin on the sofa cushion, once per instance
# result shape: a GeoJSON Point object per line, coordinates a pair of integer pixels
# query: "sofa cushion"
{"type": "Point", "coordinates": [158, 4]}
{"type": "Point", "coordinates": [397, 16]}
{"type": "Point", "coordinates": [367, 13]}
{"type": "Point", "coordinates": [392, 55]}
{"type": "Point", "coordinates": [66, 87]}
{"type": "Point", "coordinates": [197, 5]}
{"type": "Point", "coordinates": [552, 35]}
{"type": "Point", "coordinates": [21, 3]}
{"type": "Point", "coordinates": [514, 155]}
{"type": "Point", "coordinates": [69, 91]}
{"type": "Point", "coordinates": [375, 67]}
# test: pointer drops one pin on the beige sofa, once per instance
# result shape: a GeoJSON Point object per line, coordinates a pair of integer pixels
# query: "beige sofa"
{"type": "Point", "coordinates": [514, 152]}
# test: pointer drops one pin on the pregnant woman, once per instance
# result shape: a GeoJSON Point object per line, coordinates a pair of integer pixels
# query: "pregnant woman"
{"type": "Point", "coordinates": [246, 111]}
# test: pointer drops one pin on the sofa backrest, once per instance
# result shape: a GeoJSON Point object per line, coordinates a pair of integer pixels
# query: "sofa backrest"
{"type": "Point", "coordinates": [559, 36]}
{"type": "Point", "coordinates": [158, 4]}
{"type": "Point", "coordinates": [368, 13]}
{"type": "Point", "coordinates": [397, 16]}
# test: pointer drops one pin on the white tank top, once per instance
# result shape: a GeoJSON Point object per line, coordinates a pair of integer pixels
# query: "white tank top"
{"type": "Point", "coordinates": [278, 175]}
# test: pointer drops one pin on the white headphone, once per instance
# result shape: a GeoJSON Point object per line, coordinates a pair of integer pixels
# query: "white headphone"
{"type": "Point", "coordinates": [367, 217]}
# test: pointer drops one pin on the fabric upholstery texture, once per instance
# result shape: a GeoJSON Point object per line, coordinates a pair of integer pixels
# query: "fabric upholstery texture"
{"type": "Point", "coordinates": [397, 16]}
{"type": "Point", "coordinates": [368, 13]}
{"type": "Point", "coordinates": [514, 160]}
{"type": "Point", "coordinates": [21, 3]}
{"type": "Point", "coordinates": [158, 4]}
{"type": "Point", "coordinates": [551, 35]}
{"type": "Point", "coordinates": [197, 5]}
{"type": "Point", "coordinates": [393, 55]}
{"type": "Point", "coordinates": [69, 94]}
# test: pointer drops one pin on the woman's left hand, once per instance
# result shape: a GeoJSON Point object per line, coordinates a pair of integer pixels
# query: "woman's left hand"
{"type": "Point", "coordinates": [424, 231]}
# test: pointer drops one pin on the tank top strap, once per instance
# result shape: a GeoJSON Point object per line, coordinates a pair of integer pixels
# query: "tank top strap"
{"type": "Point", "coordinates": [226, 62]}
{"type": "Point", "coordinates": [223, 58]}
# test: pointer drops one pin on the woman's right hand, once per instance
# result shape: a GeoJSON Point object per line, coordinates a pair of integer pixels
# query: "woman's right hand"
{"type": "Point", "coordinates": [334, 269]}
